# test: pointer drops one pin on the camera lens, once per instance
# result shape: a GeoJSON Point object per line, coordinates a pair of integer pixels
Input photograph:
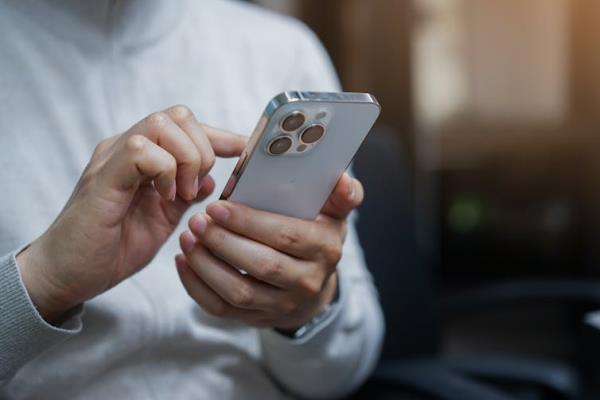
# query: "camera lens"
{"type": "Point", "coordinates": [293, 121]}
{"type": "Point", "coordinates": [312, 134]}
{"type": "Point", "coordinates": [280, 145]}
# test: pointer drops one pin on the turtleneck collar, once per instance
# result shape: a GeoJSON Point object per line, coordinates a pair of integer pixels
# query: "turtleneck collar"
{"type": "Point", "coordinates": [130, 24]}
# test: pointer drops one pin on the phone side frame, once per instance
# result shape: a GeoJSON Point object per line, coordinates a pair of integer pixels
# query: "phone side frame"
{"type": "Point", "coordinates": [278, 101]}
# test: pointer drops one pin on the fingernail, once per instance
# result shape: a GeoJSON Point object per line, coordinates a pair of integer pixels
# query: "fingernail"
{"type": "Point", "coordinates": [198, 224]}
{"type": "Point", "coordinates": [218, 212]}
{"type": "Point", "coordinates": [194, 192]}
{"type": "Point", "coordinates": [200, 183]}
{"type": "Point", "coordinates": [351, 191]}
{"type": "Point", "coordinates": [172, 191]}
{"type": "Point", "coordinates": [187, 241]}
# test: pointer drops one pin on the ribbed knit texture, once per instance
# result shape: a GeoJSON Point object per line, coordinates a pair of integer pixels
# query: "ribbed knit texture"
{"type": "Point", "coordinates": [23, 333]}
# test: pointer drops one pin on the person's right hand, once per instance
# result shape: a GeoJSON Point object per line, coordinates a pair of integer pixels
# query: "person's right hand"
{"type": "Point", "coordinates": [126, 204]}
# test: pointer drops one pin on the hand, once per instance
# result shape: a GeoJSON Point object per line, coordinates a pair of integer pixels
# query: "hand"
{"type": "Point", "coordinates": [127, 202]}
{"type": "Point", "coordinates": [289, 263]}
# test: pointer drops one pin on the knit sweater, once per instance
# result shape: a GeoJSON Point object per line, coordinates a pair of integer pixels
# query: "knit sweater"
{"type": "Point", "coordinates": [74, 72]}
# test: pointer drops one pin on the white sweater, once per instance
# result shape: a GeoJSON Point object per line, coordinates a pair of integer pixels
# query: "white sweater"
{"type": "Point", "coordinates": [73, 72]}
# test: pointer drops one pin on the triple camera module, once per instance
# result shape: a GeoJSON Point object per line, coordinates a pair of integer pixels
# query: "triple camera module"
{"type": "Point", "coordinates": [297, 132]}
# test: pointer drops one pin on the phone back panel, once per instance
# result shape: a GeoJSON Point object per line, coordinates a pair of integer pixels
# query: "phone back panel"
{"type": "Point", "coordinates": [297, 183]}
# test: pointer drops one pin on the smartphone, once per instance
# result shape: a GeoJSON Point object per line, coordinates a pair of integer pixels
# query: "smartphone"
{"type": "Point", "coordinates": [302, 144]}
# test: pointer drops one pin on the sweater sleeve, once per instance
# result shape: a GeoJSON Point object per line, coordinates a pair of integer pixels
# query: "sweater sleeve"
{"type": "Point", "coordinates": [337, 356]}
{"type": "Point", "coordinates": [340, 353]}
{"type": "Point", "coordinates": [23, 332]}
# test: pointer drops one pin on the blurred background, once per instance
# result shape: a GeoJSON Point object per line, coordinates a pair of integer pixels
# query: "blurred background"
{"type": "Point", "coordinates": [482, 218]}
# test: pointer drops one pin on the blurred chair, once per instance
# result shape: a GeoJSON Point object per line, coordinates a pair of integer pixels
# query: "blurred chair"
{"type": "Point", "coordinates": [411, 366]}
{"type": "Point", "coordinates": [552, 378]}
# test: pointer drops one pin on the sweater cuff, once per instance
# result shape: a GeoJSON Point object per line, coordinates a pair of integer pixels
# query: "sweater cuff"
{"type": "Point", "coordinates": [24, 334]}
{"type": "Point", "coordinates": [311, 344]}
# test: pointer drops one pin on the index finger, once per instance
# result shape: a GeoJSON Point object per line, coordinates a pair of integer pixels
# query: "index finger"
{"type": "Point", "coordinates": [163, 131]}
{"type": "Point", "coordinates": [224, 143]}
{"type": "Point", "coordinates": [294, 236]}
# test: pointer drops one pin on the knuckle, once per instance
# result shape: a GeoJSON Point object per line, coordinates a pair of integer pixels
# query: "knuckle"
{"type": "Point", "coordinates": [135, 144]}
{"type": "Point", "coordinates": [310, 285]}
{"type": "Point", "coordinates": [181, 112]}
{"type": "Point", "coordinates": [243, 296]}
{"type": "Point", "coordinates": [288, 236]}
{"type": "Point", "coordinates": [157, 120]}
{"type": "Point", "coordinates": [271, 268]}
{"type": "Point", "coordinates": [332, 252]}
{"type": "Point", "coordinates": [195, 160]}
{"type": "Point", "coordinates": [208, 162]}
{"type": "Point", "coordinates": [315, 232]}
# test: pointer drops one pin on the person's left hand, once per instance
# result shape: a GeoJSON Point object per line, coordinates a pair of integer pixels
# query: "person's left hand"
{"type": "Point", "coordinates": [289, 263]}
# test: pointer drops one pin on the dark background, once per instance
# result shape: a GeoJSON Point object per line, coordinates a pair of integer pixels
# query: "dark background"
{"type": "Point", "coordinates": [493, 107]}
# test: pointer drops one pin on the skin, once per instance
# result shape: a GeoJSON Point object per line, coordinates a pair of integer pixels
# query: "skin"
{"type": "Point", "coordinates": [128, 201]}
{"type": "Point", "coordinates": [131, 197]}
{"type": "Point", "coordinates": [290, 263]}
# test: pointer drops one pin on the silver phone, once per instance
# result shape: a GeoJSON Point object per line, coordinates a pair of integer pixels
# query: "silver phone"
{"type": "Point", "coordinates": [303, 143]}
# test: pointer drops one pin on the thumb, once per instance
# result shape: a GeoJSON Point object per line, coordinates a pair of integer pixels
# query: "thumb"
{"type": "Point", "coordinates": [225, 144]}
{"type": "Point", "coordinates": [346, 196]}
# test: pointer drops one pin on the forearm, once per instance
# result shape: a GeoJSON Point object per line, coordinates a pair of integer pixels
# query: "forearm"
{"type": "Point", "coordinates": [23, 332]}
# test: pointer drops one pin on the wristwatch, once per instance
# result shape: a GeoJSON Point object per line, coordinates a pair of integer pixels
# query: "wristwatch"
{"type": "Point", "coordinates": [316, 321]}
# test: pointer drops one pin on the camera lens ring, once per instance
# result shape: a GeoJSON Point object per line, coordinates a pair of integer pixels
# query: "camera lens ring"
{"type": "Point", "coordinates": [280, 145]}
{"type": "Point", "coordinates": [292, 121]}
{"type": "Point", "coordinates": [312, 133]}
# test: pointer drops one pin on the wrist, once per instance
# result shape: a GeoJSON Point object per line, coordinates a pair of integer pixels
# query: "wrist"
{"type": "Point", "coordinates": [329, 296]}
{"type": "Point", "coordinates": [45, 294]}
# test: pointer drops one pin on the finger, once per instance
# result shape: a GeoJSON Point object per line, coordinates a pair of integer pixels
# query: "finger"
{"type": "Point", "coordinates": [160, 129]}
{"type": "Point", "coordinates": [140, 159]}
{"type": "Point", "coordinates": [200, 292]}
{"type": "Point", "coordinates": [240, 291]}
{"type": "Point", "coordinates": [210, 301]}
{"type": "Point", "coordinates": [185, 119]}
{"type": "Point", "coordinates": [345, 197]}
{"type": "Point", "coordinates": [307, 240]}
{"type": "Point", "coordinates": [260, 261]}
{"type": "Point", "coordinates": [174, 210]}
{"type": "Point", "coordinates": [225, 144]}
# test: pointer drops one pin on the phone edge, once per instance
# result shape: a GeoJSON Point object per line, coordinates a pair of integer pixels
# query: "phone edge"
{"type": "Point", "coordinates": [274, 104]}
